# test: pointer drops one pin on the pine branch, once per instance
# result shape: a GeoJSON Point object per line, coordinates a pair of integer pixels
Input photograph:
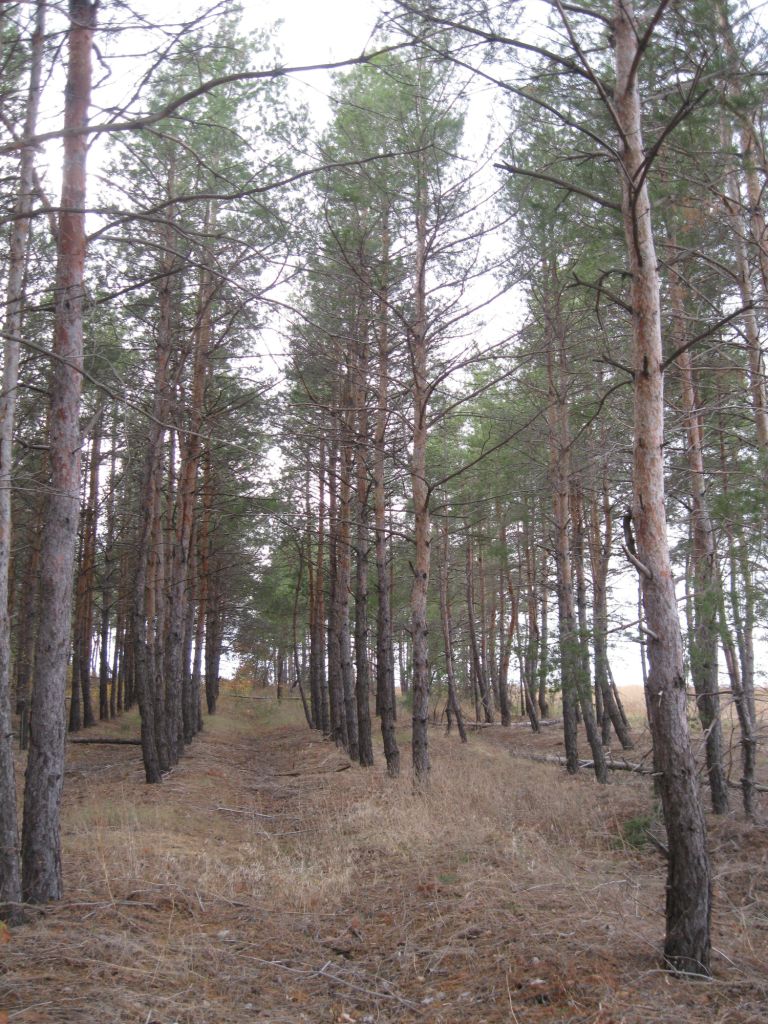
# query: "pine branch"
{"type": "Point", "coordinates": [559, 183]}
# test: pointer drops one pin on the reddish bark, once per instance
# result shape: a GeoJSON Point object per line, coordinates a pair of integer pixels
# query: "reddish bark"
{"type": "Point", "coordinates": [41, 841]}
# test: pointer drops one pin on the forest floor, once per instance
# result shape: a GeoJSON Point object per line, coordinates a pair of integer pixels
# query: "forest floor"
{"type": "Point", "coordinates": [268, 881]}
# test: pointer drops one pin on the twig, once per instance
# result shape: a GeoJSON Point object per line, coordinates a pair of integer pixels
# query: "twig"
{"type": "Point", "coordinates": [322, 972]}
{"type": "Point", "coordinates": [657, 843]}
{"type": "Point", "coordinates": [244, 810]}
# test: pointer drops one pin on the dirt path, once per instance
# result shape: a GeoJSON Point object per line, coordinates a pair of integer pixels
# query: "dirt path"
{"type": "Point", "coordinates": [268, 881]}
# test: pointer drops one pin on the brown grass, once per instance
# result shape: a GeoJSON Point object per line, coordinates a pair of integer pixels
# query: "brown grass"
{"type": "Point", "coordinates": [261, 884]}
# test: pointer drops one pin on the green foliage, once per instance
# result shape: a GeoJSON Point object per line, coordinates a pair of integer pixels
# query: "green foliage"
{"type": "Point", "coordinates": [634, 832]}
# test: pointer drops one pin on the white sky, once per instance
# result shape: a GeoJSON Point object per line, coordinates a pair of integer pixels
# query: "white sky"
{"type": "Point", "coordinates": [314, 32]}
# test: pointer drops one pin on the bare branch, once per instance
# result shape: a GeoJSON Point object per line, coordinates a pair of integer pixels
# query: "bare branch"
{"type": "Point", "coordinates": [559, 183]}
{"type": "Point", "coordinates": [645, 39]}
{"type": "Point", "coordinates": [705, 334]}
{"type": "Point", "coordinates": [641, 568]}
{"type": "Point", "coordinates": [148, 119]}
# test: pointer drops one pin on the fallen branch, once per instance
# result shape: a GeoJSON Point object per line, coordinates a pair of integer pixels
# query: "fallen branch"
{"type": "Point", "coordinates": [247, 811]}
{"type": "Point", "coordinates": [637, 768]}
{"type": "Point", "coordinates": [318, 771]}
{"type": "Point", "coordinates": [512, 725]}
{"type": "Point", "coordinates": [740, 785]}
{"type": "Point", "coordinates": [112, 741]}
{"type": "Point", "coordinates": [333, 976]}
{"type": "Point", "coordinates": [618, 766]}
{"type": "Point", "coordinates": [252, 696]}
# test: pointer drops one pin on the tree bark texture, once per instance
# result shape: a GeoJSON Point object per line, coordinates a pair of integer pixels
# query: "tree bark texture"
{"type": "Point", "coordinates": [445, 616]}
{"type": "Point", "coordinates": [417, 341]}
{"type": "Point", "coordinates": [362, 551]}
{"type": "Point", "coordinates": [335, 684]}
{"type": "Point", "coordinates": [10, 874]}
{"type": "Point", "coordinates": [344, 579]}
{"type": "Point", "coordinates": [706, 584]}
{"type": "Point", "coordinates": [142, 638]}
{"type": "Point", "coordinates": [320, 694]}
{"type": "Point", "coordinates": [486, 695]}
{"type": "Point", "coordinates": [41, 839]}
{"type": "Point", "coordinates": [576, 690]}
{"type": "Point", "coordinates": [600, 554]}
{"type": "Point", "coordinates": [180, 728]}
{"type": "Point", "coordinates": [688, 906]}
{"type": "Point", "coordinates": [385, 655]}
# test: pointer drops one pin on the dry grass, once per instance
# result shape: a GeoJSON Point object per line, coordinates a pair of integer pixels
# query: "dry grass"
{"type": "Point", "coordinates": [261, 884]}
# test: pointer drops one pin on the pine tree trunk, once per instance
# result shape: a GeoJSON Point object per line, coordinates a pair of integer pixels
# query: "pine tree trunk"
{"type": "Point", "coordinates": [335, 684]}
{"type": "Point", "coordinates": [213, 637]}
{"type": "Point", "coordinates": [527, 648]}
{"type": "Point", "coordinates": [586, 704]}
{"type": "Point", "coordinates": [486, 629]}
{"type": "Point", "coordinates": [190, 697]}
{"type": "Point", "coordinates": [746, 722]}
{"type": "Point", "coordinates": [314, 690]}
{"type": "Point", "coordinates": [362, 554]}
{"type": "Point", "coordinates": [704, 642]}
{"type": "Point", "coordinates": [756, 371]}
{"type": "Point", "coordinates": [180, 726]}
{"type": "Point", "coordinates": [88, 572]}
{"type": "Point", "coordinates": [75, 718]}
{"type": "Point", "coordinates": [29, 614]}
{"type": "Point", "coordinates": [385, 655]}
{"type": "Point", "coordinates": [600, 553]}
{"type": "Point", "coordinates": [745, 707]}
{"type": "Point", "coordinates": [445, 616]}
{"type": "Point", "coordinates": [204, 554]}
{"type": "Point", "coordinates": [296, 661]}
{"type": "Point", "coordinates": [343, 578]}
{"type": "Point", "coordinates": [10, 875]}
{"type": "Point", "coordinates": [318, 648]}
{"type": "Point", "coordinates": [505, 635]}
{"type": "Point", "coordinates": [150, 699]}
{"type": "Point", "coordinates": [688, 908]}
{"type": "Point", "coordinates": [417, 341]}
{"type": "Point", "coordinates": [486, 697]}
{"type": "Point", "coordinates": [107, 580]}
{"type": "Point", "coordinates": [41, 839]}
{"type": "Point", "coordinates": [560, 471]}
{"type": "Point", "coordinates": [544, 648]}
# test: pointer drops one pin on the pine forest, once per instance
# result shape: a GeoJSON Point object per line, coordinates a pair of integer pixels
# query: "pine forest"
{"type": "Point", "coordinates": [383, 533]}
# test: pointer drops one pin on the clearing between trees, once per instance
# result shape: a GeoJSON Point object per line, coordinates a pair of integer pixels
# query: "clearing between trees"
{"type": "Point", "coordinates": [270, 880]}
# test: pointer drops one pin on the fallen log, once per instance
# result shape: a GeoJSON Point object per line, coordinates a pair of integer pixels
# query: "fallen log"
{"type": "Point", "coordinates": [619, 766]}
{"type": "Point", "coordinates": [256, 696]}
{"type": "Point", "coordinates": [638, 768]}
{"type": "Point", "coordinates": [312, 771]}
{"type": "Point", "coordinates": [112, 741]}
{"type": "Point", "coordinates": [512, 725]}
{"type": "Point", "coordinates": [740, 785]}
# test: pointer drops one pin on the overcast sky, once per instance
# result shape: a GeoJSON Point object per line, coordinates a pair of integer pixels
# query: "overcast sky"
{"type": "Point", "coordinates": [316, 33]}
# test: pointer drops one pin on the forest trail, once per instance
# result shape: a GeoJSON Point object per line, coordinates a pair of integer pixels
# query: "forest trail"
{"type": "Point", "coordinates": [268, 881]}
